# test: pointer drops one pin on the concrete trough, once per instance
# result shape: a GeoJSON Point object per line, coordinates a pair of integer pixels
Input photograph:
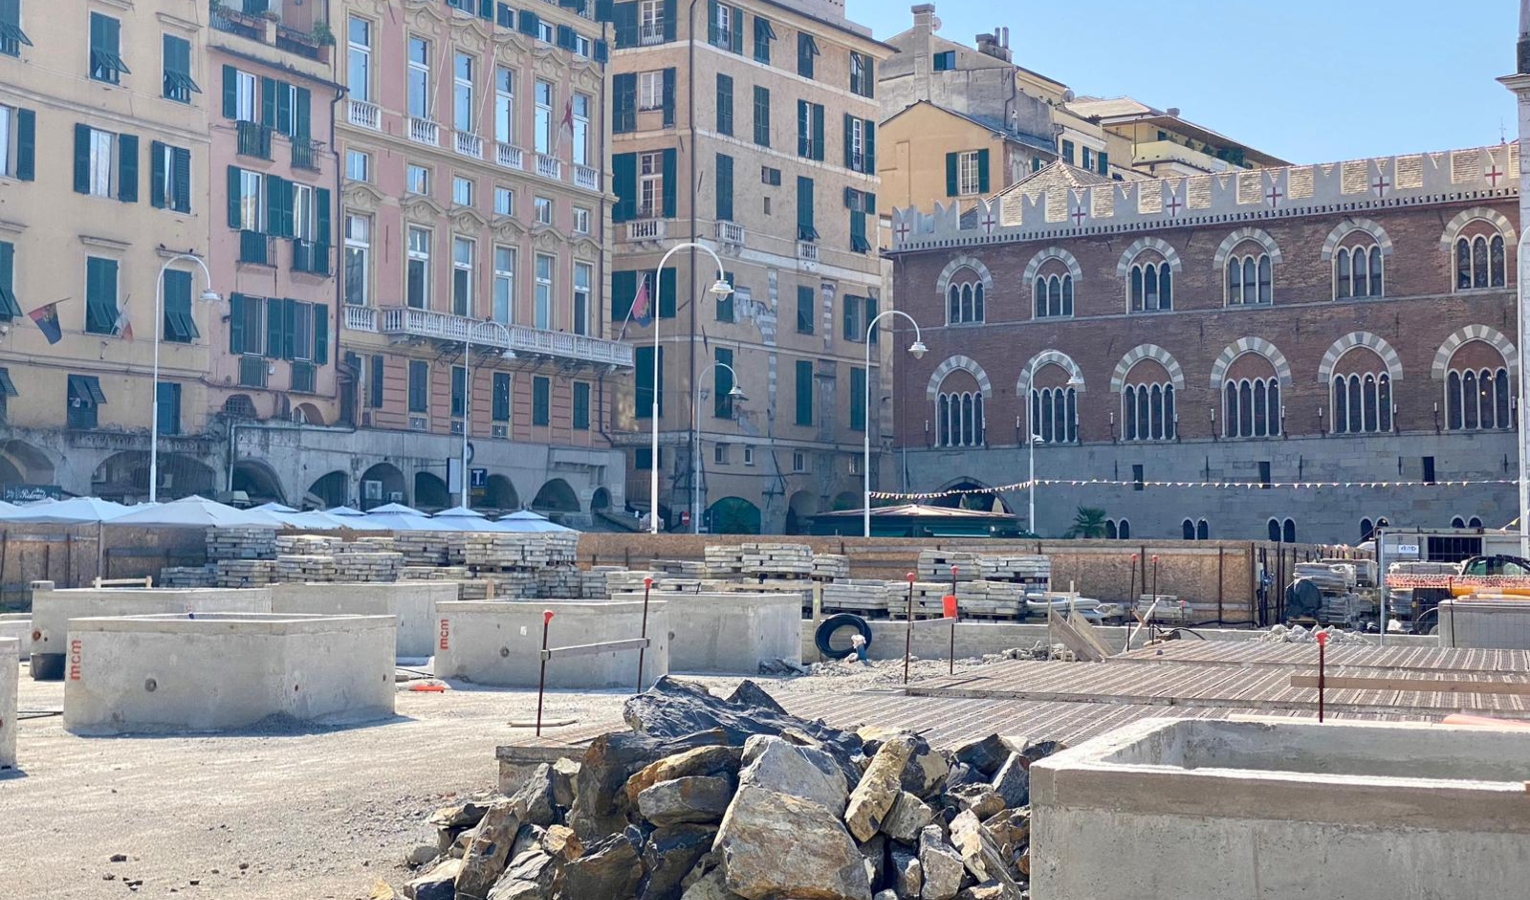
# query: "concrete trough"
{"type": "Point", "coordinates": [1496, 624]}
{"type": "Point", "coordinates": [1210, 810]}
{"type": "Point", "coordinates": [10, 673]}
{"type": "Point", "coordinates": [52, 610]}
{"type": "Point", "coordinates": [729, 633]}
{"type": "Point", "coordinates": [226, 671]}
{"type": "Point", "coordinates": [500, 642]}
{"type": "Point", "coordinates": [413, 602]}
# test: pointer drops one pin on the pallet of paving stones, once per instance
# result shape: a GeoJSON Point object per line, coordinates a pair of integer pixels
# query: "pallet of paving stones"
{"type": "Point", "coordinates": [294, 568]}
{"type": "Point", "coordinates": [425, 549]}
{"type": "Point", "coordinates": [237, 573]}
{"type": "Point", "coordinates": [830, 566]}
{"type": "Point", "coordinates": [864, 597]}
{"type": "Point", "coordinates": [777, 560]}
{"type": "Point", "coordinates": [1031, 570]}
{"type": "Point", "coordinates": [560, 583]}
{"type": "Point", "coordinates": [511, 585]}
{"type": "Point", "coordinates": [357, 566]}
{"type": "Point", "coordinates": [1365, 569]}
{"type": "Point", "coordinates": [685, 568]}
{"type": "Point", "coordinates": [935, 565]}
{"type": "Point", "coordinates": [189, 576]}
{"type": "Point", "coordinates": [630, 581]}
{"type": "Point", "coordinates": [307, 545]}
{"type": "Point", "coordinates": [433, 573]}
{"type": "Point", "coordinates": [520, 551]}
{"type": "Point", "coordinates": [724, 560]}
{"type": "Point", "coordinates": [594, 583]}
{"type": "Point", "coordinates": [1328, 578]}
{"type": "Point", "coordinates": [240, 542]}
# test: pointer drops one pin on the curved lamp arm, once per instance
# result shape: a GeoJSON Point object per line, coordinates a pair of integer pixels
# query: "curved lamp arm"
{"type": "Point", "coordinates": [918, 349]}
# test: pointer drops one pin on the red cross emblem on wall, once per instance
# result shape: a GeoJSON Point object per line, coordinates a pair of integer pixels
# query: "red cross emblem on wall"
{"type": "Point", "coordinates": [903, 231]}
{"type": "Point", "coordinates": [1173, 204]}
{"type": "Point", "coordinates": [1380, 185]}
{"type": "Point", "coordinates": [1274, 196]}
{"type": "Point", "coordinates": [989, 222]}
{"type": "Point", "coordinates": [1493, 174]}
{"type": "Point", "coordinates": [1078, 216]}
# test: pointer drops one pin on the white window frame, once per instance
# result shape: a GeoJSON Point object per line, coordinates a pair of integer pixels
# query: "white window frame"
{"type": "Point", "coordinates": [584, 274]}
{"type": "Point", "coordinates": [581, 220]}
{"type": "Point", "coordinates": [968, 174]}
{"type": "Point", "coordinates": [7, 141]}
{"type": "Point", "coordinates": [724, 25]}
{"type": "Point", "coordinates": [543, 207]}
{"type": "Point", "coordinates": [359, 52]}
{"type": "Point", "coordinates": [650, 90]}
{"type": "Point", "coordinates": [418, 255]}
{"type": "Point", "coordinates": [720, 454]}
{"type": "Point", "coordinates": [545, 32]}
{"type": "Point", "coordinates": [358, 243]}
{"type": "Point", "coordinates": [581, 136]}
{"type": "Point", "coordinates": [361, 159]}
{"type": "Point", "coordinates": [410, 171]}
{"type": "Point", "coordinates": [103, 163]}
{"type": "Point", "coordinates": [545, 121]}
{"type": "Point", "coordinates": [542, 314]}
{"type": "Point", "coordinates": [505, 259]}
{"type": "Point", "coordinates": [748, 455]}
{"type": "Point", "coordinates": [418, 74]}
{"type": "Point", "coordinates": [858, 143]}
{"type": "Point", "coordinates": [504, 104]}
{"type": "Point", "coordinates": [246, 97]}
{"type": "Point", "coordinates": [650, 184]}
{"type": "Point", "coordinates": [302, 212]}
{"type": "Point", "coordinates": [252, 207]}
{"type": "Point", "coordinates": [506, 208]}
{"type": "Point", "coordinates": [463, 113]}
{"type": "Point", "coordinates": [463, 190]}
{"type": "Point", "coordinates": [463, 306]}
{"type": "Point", "coordinates": [651, 19]}
{"type": "Point", "coordinates": [582, 46]}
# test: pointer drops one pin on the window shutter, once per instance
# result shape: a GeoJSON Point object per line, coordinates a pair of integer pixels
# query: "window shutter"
{"type": "Point", "coordinates": [1104, 162]}
{"type": "Point", "coordinates": [849, 141]}
{"type": "Point", "coordinates": [669, 20]}
{"type": "Point", "coordinates": [322, 224]}
{"type": "Point", "coordinates": [669, 184]}
{"type": "Point", "coordinates": [81, 159]}
{"type": "Point", "coordinates": [724, 188]}
{"type": "Point", "coordinates": [230, 92]}
{"type": "Point", "coordinates": [952, 160]}
{"type": "Point", "coordinates": [602, 52]}
{"type": "Point", "coordinates": [870, 201]}
{"type": "Point", "coordinates": [235, 219]}
{"type": "Point", "coordinates": [505, 16]}
{"type": "Point", "coordinates": [320, 334]}
{"type": "Point", "coordinates": [805, 229]}
{"type": "Point", "coordinates": [804, 392]}
{"type": "Point", "coordinates": [181, 190]}
{"type": "Point", "coordinates": [127, 168]}
{"type": "Point", "coordinates": [804, 147]}
{"type": "Point", "coordinates": [276, 193]}
{"type": "Point", "coordinates": [712, 21]}
{"type": "Point", "coordinates": [982, 156]}
{"type": "Point", "coordinates": [624, 183]}
{"type": "Point", "coordinates": [291, 310]}
{"type": "Point", "coordinates": [849, 329]}
{"type": "Point", "coordinates": [605, 10]}
{"type": "Point", "coordinates": [268, 110]}
{"type": "Point", "coordinates": [565, 37]}
{"type": "Point", "coordinates": [303, 112]}
{"type": "Point", "coordinates": [818, 131]}
{"type": "Point", "coordinates": [736, 20]}
{"type": "Point", "coordinates": [669, 98]}
{"type": "Point", "coordinates": [624, 102]}
{"type": "Point", "coordinates": [869, 129]}
{"type": "Point", "coordinates": [871, 314]}
{"type": "Point", "coordinates": [26, 144]}
{"type": "Point", "coordinates": [623, 289]}
{"type": "Point", "coordinates": [869, 77]}
{"type": "Point", "coordinates": [158, 189]}
{"type": "Point", "coordinates": [722, 401]}
{"type": "Point", "coordinates": [236, 323]}
{"type": "Point", "coordinates": [668, 294]}
{"type": "Point", "coordinates": [284, 108]}
{"type": "Point", "coordinates": [724, 104]}
{"type": "Point", "coordinates": [857, 399]}
{"type": "Point", "coordinates": [858, 241]}
{"type": "Point", "coordinates": [274, 330]}
{"type": "Point", "coordinates": [528, 22]}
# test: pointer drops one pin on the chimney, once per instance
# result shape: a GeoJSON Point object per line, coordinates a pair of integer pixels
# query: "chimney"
{"type": "Point", "coordinates": [993, 45]}
{"type": "Point", "coordinates": [924, 17]}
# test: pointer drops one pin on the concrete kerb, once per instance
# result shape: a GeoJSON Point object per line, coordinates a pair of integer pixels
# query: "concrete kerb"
{"type": "Point", "coordinates": [226, 671]}
{"type": "Point", "coordinates": [499, 643]}
{"type": "Point", "coordinates": [10, 673]}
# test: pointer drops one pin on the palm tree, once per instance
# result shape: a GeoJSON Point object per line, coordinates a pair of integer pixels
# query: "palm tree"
{"type": "Point", "coordinates": [1087, 523]}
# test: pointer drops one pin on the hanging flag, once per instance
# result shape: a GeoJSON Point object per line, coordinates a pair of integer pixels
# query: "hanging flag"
{"type": "Point", "coordinates": [46, 318]}
{"type": "Point", "coordinates": [640, 311]}
{"type": "Point", "coordinates": [124, 324]}
{"type": "Point", "coordinates": [565, 124]}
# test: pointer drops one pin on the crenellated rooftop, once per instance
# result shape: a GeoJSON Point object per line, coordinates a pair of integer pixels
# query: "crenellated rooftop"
{"type": "Point", "coordinates": [1064, 211]}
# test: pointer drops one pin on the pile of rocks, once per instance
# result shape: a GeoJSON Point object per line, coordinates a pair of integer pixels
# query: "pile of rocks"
{"type": "Point", "coordinates": [1296, 634]}
{"type": "Point", "coordinates": [734, 799]}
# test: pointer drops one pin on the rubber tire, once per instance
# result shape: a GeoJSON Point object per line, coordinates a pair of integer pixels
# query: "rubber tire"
{"type": "Point", "coordinates": [47, 667]}
{"type": "Point", "coordinates": [832, 625]}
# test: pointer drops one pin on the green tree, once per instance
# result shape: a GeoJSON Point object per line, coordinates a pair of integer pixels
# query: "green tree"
{"type": "Point", "coordinates": [1087, 523]}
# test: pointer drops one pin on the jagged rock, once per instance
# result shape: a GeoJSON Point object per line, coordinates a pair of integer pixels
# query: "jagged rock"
{"type": "Point", "coordinates": [610, 868]}
{"type": "Point", "coordinates": [1024, 863]}
{"type": "Point", "coordinates": [710, 886]}
{"type": "Point", "coordinates": [701, 761]}
{"type": "Point", "coordinates": [532, 875]}
{"type": "Point", "coordinates": [565, 773]}
{"type": "Point", "coordinates": [696, 799]}
{"type": "Point", "coordinates": [1010, 831]}
{"type": "Point", "coordinates": [874, 852]}
{"type": "Point", "coordinates": [669, 855]}
{"type": "Point", "coordinates": [926, 769]}
{"type": "Point", "coordinates": [874, 796]}
{"type": "Point", "coordinates": [1041, 750]}
{"type": "Point", "coordinates": [463, 815]}
{"type": "Point", "coordinates": [437, 884]}
{"type": "Point", "coordinates": [534, 802]}
{"type": "Point", "coordinates": [776, 764]}
{"type": "Point", "coordinates": [982, 799]}
{"type": "Point", "coordinates": [967, 839]}
{"type": "Point", "coordinates": [963, 774]}
{"type": "Point", "coordinates": [600, 804]}
{"type": "Point", "coordinates": [421, 855]}
{"type": "Point", "coordinates": [985, 755]}
{"type": "Point", "coordinates": [776, 845]}
{"type": "Point", "coordinates": [886, 895]}
{"type": "Point", "coordinates": [988, 891]}
{"type": "Point", "coordinates": [560, 842]}
{"type": "Point", "coordinates": [529, 837]}
{"type": "Point", "coordinates": [1013, 781]}
{"type": "Point", "coordinates": [908, 875]}
{"type": "Point", "coordinates": [943, 869]}
{"type": "Point", "coordinates": [907, 818]}
{"type": "Point", "coordinates": [489, 850]}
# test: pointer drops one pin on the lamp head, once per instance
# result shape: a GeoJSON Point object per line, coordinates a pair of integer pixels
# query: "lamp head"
{"type": "Point", "coordinates": [918, 349]}
{"type": "Point", "coordinates": [508, 354]}
{"type": "Point", "coordinates": [737, 392]}
{"type": "Point", "coordinates": [211, 296]}
{"type": "Point", "coordinates": [721, 288]}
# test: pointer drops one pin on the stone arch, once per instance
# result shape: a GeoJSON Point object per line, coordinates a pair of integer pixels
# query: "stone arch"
{"type": "Point", "coordinates": [1161, 246]}
{"type": "Point", "coordinates": [1250, 345]}
{"type": "Point", "coordinates": [734, 515]}
{"type": "Point", "coordinates": [1468, 334]}
{"type": "Point", "coordinates": [1355, 339]}
{"type": "Point", "coordinates": [556, 496]}
{"type": "Point", "coordinates": [307, 414]}
{"type": "Point", "coordinates": [31, 464]}
{"type": "Point", "coordinates": [430, 491]}
{"type": "Point", "coordinates": [1257, 235]}
{"type": "Point", "coordinates": [800, 512]}
{"type": "Point", "coordinates": [387, 481]}
{"type": "Point", "coordinates": [501, 494]}
{"type": "Point", "coordinates": [1147, 351]}
{"type": "Point", "coordinates": [329, 491]}
{"type": "Point", "coordinates": [1467, 216]}
{"type": "Point", "coordinates": [1350, 226]}
{"type": "Point", "coordinates": [964, 261]}
{"type": "Point", "coordinates": [1054, 252]}
{"type": "Point", "coordinates": [1041, 361]}
{"type": "Point", "coordinates": [965, 364]}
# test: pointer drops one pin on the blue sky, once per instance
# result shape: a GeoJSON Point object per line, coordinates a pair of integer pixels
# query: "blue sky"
{"type": "Point", "coordinates": [1306, 80]}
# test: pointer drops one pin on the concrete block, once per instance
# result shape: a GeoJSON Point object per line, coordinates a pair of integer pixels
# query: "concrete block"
{"type": "Point", "coordinates": [1174, 808]}
{"type": "Point", "coordinates": [412, 602]}
{"type": "Point", "coordinates": [10, 672]}
{"type": "Point", "coordinates": [499, 642]}
{"type": "Point", "coordinates": [729, 633]}
{"type": "Point", "coordinates": [225, 671]}
{"type": "Point", "coordinates": [19, 627]}
{"type": "Point", "coordinates": [52, 610]}
{"type": "Point", "coordinates": [1496, 624]}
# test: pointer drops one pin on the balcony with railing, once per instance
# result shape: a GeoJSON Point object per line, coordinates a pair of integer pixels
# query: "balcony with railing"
{"type": "Point", "coordinates": [424, 131]}
{"type": "Point", "coordinates": [254, 139]}
{"type": "Point", "coordinates": [360, 318]}
{"type": "Point", "coordinates": [509, 155]}
{"type": "Point", "coordinates": [469, 144]}
{"type": "Point", "coordinates": [1180, 158]}
{"type": "Point", "coordinates": [310, 257]}
{"type": "Point", "coordinates": [730, 233]}
{"type": "Point", "coordinates": [587, 177]}
{"type": "Point", "coordinates": [303, 377]}
{"type": "Point", "coordinates": [406, 321]}
{"type": "Point", "coordinates": [650, 33]}
{"type": "Point", "coordinates": [290, 28]}
{"type": "Point", "coordinates": [305, 154]}
{"type": "Point", "coordinates": [364, 115]}
{"type": "Point", "coordinates": [807, 251]}
{"type": "Point", "coordinates": [256, 249]}
{"type": "Point", "coordinates": [232, 18]}
{"type": "Point", "coordinates": [646, 230]}
{"type": "Point", "coordinates": [549, 167]}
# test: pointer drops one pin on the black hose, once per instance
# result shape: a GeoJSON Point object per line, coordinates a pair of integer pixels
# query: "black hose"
{"type": "Point", "coordinates": [831, 626]}
{"type": "Point", "coordinates": [1190, 631]}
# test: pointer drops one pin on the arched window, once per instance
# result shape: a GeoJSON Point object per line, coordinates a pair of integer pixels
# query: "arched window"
{"type": "Point", "coordinates": [964, 299]}
{"type": "Point", "coordinates": [1288, 531]}
{"type": "Point", "coordinates": [1362, 404]}
{"type": "Point", "coordinates": [1054, 415]}
{"type": "Point", "coordinates": [1053, 296]}
{"type": "Point", "coordinates": [1189, 529]}
{"type": "Point", "coordinates": [1110, 530]}
{"type": "Point", "coordinates": [959, 419]}
{"type": "Point", "coordinates": [1147, 412]}
{"type": "Point", "coordinates": [1124, 529]}
{"type": "Point", "coordinates": [1251, 408]}
{"type": "Point", "coordinates": [1366, 530]}
{"type": "Point", "coordinates": [1274, 526]}
{"type": "Point", "coordinates": [1250, 278]}
{"type": "Point", "coordinates": [1477, 389]}
{"type": "Point", "coordinates": [1457, 522]}
{"type": "Point", "coordinates": [1357, 268]}
{"type": "Point", "coordinates": [1480, 261]}
{"type": "Point", "coordinates": [1152, 286]}
{"type": "Point", "coordinates": [1202, 531]}
{"type": "Point", "coordinates": [1474, 522]}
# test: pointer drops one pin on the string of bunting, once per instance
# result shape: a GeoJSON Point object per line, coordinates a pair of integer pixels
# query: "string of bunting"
{"type": "Point", "coordinates": [1221, 485]}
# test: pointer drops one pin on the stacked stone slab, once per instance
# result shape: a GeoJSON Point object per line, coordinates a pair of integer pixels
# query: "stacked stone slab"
{"type": "Point", "coordinates": [724, 561]}
{"type": "Point", "coordinates": [361, 565]}
{"type": "Point", "coordinates": [189, 576]}
{"type": "Point", "coordinates": [830, 566]}
{"type": "Point", "coordinates": [777, 560]}
{"type": "Point", "coordinates": [307, 545]}
{"type": "Point", "coordinates": [520, 551]}
{"type": "Point", "coordinates": [304, 569]}
{"type": "Point", "coordinates": [864, 597]}
{"type": "Point", "coordinates": [241, 542]}
{"type": "Point", "coordinates": [594, 583]}
{"type": "Point", "coordinates": [425, 548]}
{"type": "Point", "coordinates": [237, 573]}
{"type": "Point", "coordinates": [935, 565]}
{"type": "Point", "coordinates": [1032, 570]}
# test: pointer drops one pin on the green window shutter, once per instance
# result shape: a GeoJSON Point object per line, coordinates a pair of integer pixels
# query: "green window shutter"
{"type": "Point", "coordinates": [303, 112]}
{"type": "Point", "coordinates": [849, 141]}
{"type": "Point", "coordinates": [982, 156]}
{"type": "Point", "coordinates": [322, 233]}
{"type": "Point", "coordinates": [624, 102]}
{"type": "Point", "coordinates": [268, 110]}
{"type": "Point", "coordinates": [722, 403]}
{"type": "Point", "coordinates": [320, 334]}
{"type": "Point", "coordinates": [858, 241]}
{"type": "Point", "coordinates": [669, 184]}
{"type": "Point", "coordinates": [762, 116]}
{"type": "Point", "coordinates": [869, 128]}
{"type": "Point", "coordinates": [235, 219]}
{"type": "Point", "coordinates": [668, 293]}
{"type": "Point", "coordinates": [158, 190]}
{"type": "Point", "coordinates": [274, 330]}
{"type": "Point", "coordinates": [230, 92]}
{"type": "Point", "coordinates": [1067, 152]}
{"type": "Point", "coordinates": [724, 104]}
{"type": "Point", "coordinates": [737, 22]}
{"type": "Point", "coordinates": [581, 406]}
{"type": "Point", "coordinates": [284, 108]}
{"type": "Point", "coordinates": [529, 23]}
{"type": "Point", "coordinates": [624, 184]}
{"type": "Point", "coordinates": [541, 401]}
{"type": "Point", "coordinates": [871, 315]}
{"type": "Point", "coordinates": [127, 168]}
{"type": "Point", "coordinates": [276, 196]}
{"type": "Point", "coordinates": [669, 98]}
{"type": "Point", "coordinates": [857, 399]}
{"type": "Point", "coordinates": [669, 20]}
{"type": "Point", "coordinates": [850, 329]}
{"type": "Point", "coordinates": [804, 392]}
{"type": "Point", "coordinates": [81, 159]}
{"type": "Point", "coordinates": [177, 296]}
{"type": "Point", "coordinates": [952, 162]}
{"type": "Point", "coordinates": [624, 16]}
{"type": "Point", "coordinates": [1104, 162]}
{"type": "Point", "coordinates": [804, 146]}
{"type": "Point", "coordinates": [26, 144]}
{"type": "Point", "coordinates": [712, 21]}
{"type": "Point", "coordinates": [805, 227]}
{"type": "Point", "coordinates": [623, 289]}
{"type": "Point", "coordinates": [291, 313]}
{"type": "Point", "coordinates": [725, 304]}
{"type": "Point", "coordinates": [724, 188]}
{"type": "Point", "coordinates": [818, 131]}
{"type": "Point", "coordinates": [236, 323]}
{"type": "Point", "coordinates": [807, 313]}
{"type": "Point", "coordinates": [8, 307]}
{"type": "Point", "coordinates": [181, 189]}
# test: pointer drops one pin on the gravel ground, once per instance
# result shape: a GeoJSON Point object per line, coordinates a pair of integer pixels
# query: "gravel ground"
{"type": "Point", "coordinates": [274, 813]}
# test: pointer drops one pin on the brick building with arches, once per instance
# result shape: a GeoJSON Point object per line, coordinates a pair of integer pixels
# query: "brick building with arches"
{"type": "Point", "coordinates": [1342, 323]}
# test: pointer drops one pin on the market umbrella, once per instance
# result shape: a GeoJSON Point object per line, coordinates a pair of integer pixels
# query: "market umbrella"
{"type": "Point", "coordinates": [275, 508]}
{"type": "Point", "coordinates": [196, 511]}
{"type": "Point", "coordinates": [74, 511]}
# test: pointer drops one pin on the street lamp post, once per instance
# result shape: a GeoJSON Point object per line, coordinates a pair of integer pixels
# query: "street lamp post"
{"type": "Point", "coordinates": [918, 349]}
{"type": "Point", "coordinates": [736, 393]}
{"type": "Point", "coordinates": [208, 295]}
{"type": "Point", "coordinates": [1074, 382]}
{"type": "Point", "coordinates": [719, 289]}
{"type": "Point", "coordinates": [467, 396]}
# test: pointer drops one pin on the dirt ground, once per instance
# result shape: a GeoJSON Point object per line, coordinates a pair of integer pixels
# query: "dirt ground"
{"type": "Point", "coordinates": [276, 814]}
